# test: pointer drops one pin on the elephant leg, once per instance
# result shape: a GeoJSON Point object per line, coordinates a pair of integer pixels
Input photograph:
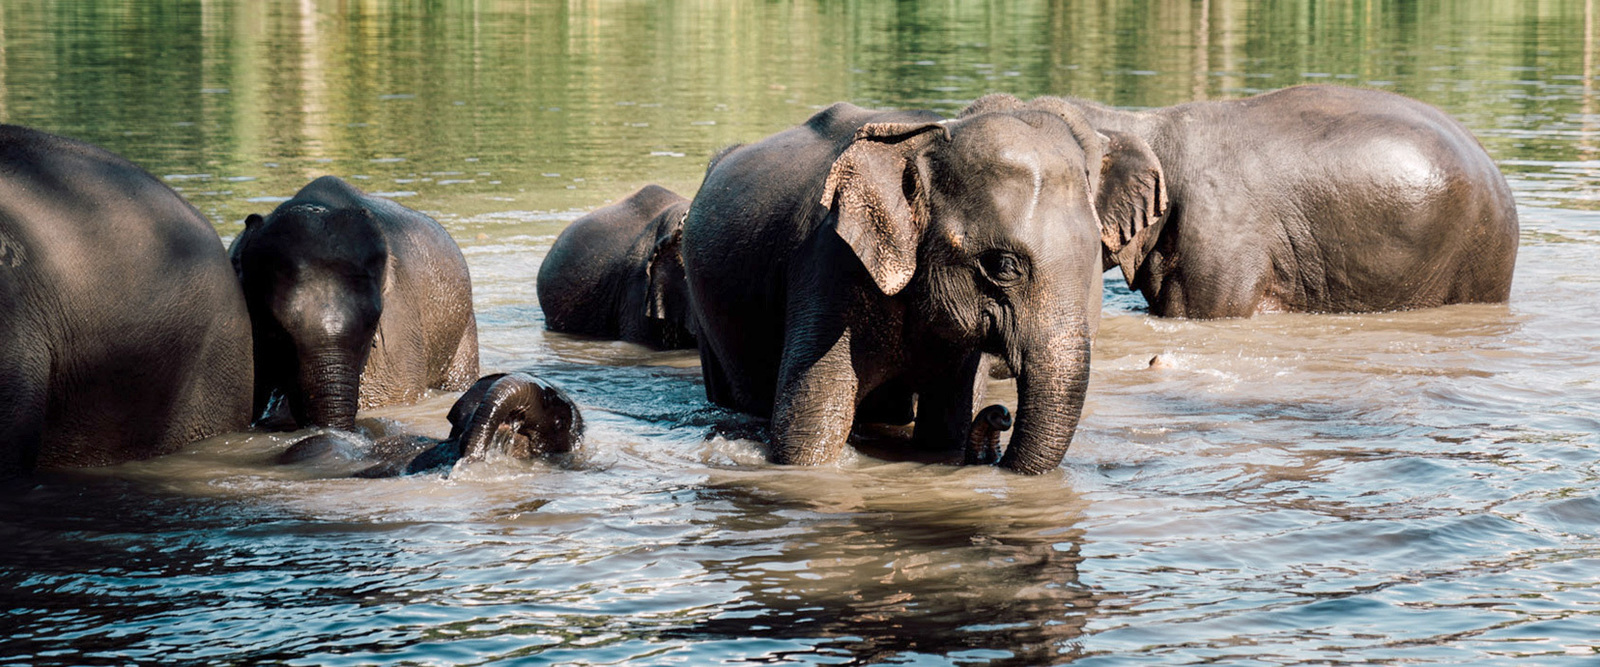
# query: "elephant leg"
{"type": "Point", "coordinates": [944, 411]}
{"type": "Point", "coordinates": [719, 389]}
{"type": "Point", "coordinates": [463, 369]}
{"type": "Point", "coordinates": [816, 400]}
{"type": "Point", "coordinates": [24, 395]}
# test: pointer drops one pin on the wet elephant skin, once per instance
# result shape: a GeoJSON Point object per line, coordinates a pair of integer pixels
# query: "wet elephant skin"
{"type": "Point", "coordinates": [616, 273]}
{"type": "Point", "coordinates": [122, 332]}
{"type": "Point", "coordinates": [356, 301]}
{"type": "Point", "coordinates": [1313, 199]}
{"type": "Point", "coordinates": [515, 413]}
{"type": "Point", "coordinates": [866, 256]}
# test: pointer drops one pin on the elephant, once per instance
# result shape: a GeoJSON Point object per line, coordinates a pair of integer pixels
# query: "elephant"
{"type": "Point", "coordinates": [1314, 198]}
{"type": "Point", "coordinates": [354, 299]}
{"type": "Point", "coordinates": [517, 413]}
{"type": "Point", "coordinates": [616, 273]}
{"type": "Point", "coordinates": [123, 335]}
{"type": "Point", "coordinates": [839, 267]}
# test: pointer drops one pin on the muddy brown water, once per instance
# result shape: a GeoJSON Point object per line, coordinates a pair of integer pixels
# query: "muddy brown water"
{"type": "Point", "coordinates": [1401, 487]}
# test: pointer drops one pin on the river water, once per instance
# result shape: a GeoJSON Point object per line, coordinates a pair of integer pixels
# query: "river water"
{"type": "Point", "coordinates": [1414, 487]}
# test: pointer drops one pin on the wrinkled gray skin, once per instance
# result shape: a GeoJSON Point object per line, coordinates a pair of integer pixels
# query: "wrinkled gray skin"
{"type": "Point", "coordinates": [866, 256]}
{"type": "Point", "coordinates": [517, 413]}
{"type": "Point", "coordinates": [355, 301]}
{"type": "Point", "coordinates": [1312, 199]}
{"type": "Point", "coordinates": [122, 332]}
{"type": "Point", "coordinates": [616, 273]}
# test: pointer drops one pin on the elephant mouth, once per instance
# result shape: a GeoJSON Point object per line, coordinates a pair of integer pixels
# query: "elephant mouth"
{"type": "Point", "coordinates": [996, 342]}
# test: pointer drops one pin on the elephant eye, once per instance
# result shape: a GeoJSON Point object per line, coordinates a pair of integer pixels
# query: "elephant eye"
{"type": "Point", "coordinates": [1004, 268]}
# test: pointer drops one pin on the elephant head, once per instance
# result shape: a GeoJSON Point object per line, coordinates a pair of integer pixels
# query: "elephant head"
{"type": "Point", "coordinates": [313, 280]}
{"type": "Point", "coordinates": [988, 227]}
{"type": "Point", "coordinates": [517, 413]}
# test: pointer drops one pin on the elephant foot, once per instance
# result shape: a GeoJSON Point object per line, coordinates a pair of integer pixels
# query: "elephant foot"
{"type": "Point", "coordinates": [983, 438]}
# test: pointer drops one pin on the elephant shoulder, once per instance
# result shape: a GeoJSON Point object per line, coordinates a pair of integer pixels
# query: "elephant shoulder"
{"type": "Point", "coordinates": [841, 118]}
{"type": "Point", "coordinates": [600, 236]}
{"type": "Point", "coordinates": [650, 201]}
{"type": "Point", "coordinates": [840, 121]}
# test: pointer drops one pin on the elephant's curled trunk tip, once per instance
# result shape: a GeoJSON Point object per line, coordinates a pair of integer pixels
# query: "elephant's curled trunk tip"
{"type": "Point", "coordinates": [983, 437]}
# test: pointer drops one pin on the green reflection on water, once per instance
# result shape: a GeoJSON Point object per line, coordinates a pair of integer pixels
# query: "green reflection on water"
{"type": "Point", "coordinates": [482, 105]}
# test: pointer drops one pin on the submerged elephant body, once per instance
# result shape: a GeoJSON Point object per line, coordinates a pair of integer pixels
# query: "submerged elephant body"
{"type": "Point", "coordinates": [122, 333]}
{"type": "Point", "coordinates": [355, 301]}
{"type": "Point", "coordinates": [1314, 199]}
{"type": "Point", "coordinates": [514, 413]}
{"type": "Point", "coordinates": [844, 265]}
{"type": "Point", "coordinates": [616, 273]}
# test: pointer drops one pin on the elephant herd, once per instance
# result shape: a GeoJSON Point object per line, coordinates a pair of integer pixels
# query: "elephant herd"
{"type": "Point", "coordinates": [864, 267]}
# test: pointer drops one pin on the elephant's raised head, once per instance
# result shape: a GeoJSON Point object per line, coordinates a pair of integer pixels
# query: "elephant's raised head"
{"type": "Point", "coordinates": [313, 280]}
{"type": "Point", "coordinates": [515, 413]}
{"type": "Point", "coordinates": [987, 225]}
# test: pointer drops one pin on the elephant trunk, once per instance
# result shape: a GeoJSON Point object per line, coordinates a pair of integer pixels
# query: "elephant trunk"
{"type": "Point", "coordinates": [1052, 380]}
{"type": "Point", "coordinates": [331, 382]}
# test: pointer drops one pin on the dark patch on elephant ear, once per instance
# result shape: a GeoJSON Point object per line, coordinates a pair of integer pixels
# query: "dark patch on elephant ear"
{"type": "Point", "coordinates": [667, 249]}
{"type": "Point", "coordinates": [1132, 201]}
{"type": "Point", "coordinates": [877, 197]}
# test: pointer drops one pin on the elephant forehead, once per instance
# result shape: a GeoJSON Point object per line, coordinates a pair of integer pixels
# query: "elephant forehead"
{"type": "Point", "coordinates": [1017, 184]}
{"type": "Point", "coordinates": [1028, 129]}
{"type": "Point", "coordinates": [296, 215]}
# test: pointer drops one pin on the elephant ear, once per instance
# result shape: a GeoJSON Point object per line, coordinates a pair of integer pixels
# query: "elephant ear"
{"type": "Point", "coordinates": [461, 413]}
{"type": "Point", "coordinates": [876, 194]}
{"type": "Point", "coordinates": [658, 274]}
{"type": "Point", "coordinates": [1132, 201]}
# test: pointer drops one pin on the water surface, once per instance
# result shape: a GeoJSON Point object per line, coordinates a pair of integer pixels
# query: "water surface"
{"type": "Point", "coordinates": [1410, 487]}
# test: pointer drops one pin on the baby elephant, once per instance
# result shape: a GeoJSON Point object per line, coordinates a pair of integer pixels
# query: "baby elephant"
{"type": "Point", "coordinates": [515, 413]}
{"type": "Point", "coordinates": [616, 273]}
{"type": "Point", "coordinates": [354, 300]}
